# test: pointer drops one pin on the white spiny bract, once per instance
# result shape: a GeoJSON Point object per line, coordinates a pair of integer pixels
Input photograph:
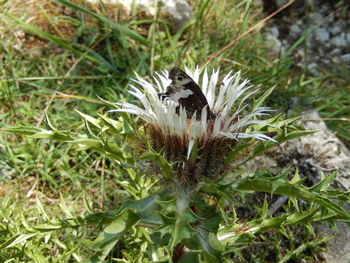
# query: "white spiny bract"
{"type": "Point", "coordinates": [227, 103]}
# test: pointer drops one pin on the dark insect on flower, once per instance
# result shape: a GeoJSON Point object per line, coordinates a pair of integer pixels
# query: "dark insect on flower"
{"type": "Point", "coordinates": [185, 91]}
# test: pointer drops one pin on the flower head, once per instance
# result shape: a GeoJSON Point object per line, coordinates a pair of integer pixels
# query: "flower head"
{"type": "Point", "coordinates": [180, 135]}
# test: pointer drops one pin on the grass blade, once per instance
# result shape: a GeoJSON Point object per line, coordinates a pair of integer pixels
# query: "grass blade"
{"type": "Point", "coordinates": [128, 32]}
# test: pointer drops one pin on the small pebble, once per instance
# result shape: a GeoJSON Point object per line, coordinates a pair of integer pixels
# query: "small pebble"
{"type": "Point", "coordinates": [340, 40]}
{"type": "Point", "coordinates": [335, 30]}
{"type": "Point", "coordinates": [321, 34]}
{"type": "Point", "coordinates": [295, 30]}
{"type": "Point", "coordinates": [345, 58]}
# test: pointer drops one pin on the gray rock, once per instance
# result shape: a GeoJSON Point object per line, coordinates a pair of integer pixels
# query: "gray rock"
{"type": "Point", "coordinates": [339, 247]}
{"type": "Point", "coordinates": [295, 30]}
{"type": "Point", "coordinates": [299, 22]}
{"type": "Point", "coordinates": [345, 58]}
{"type": "Point", "coordinates": [325, 152]}
{"type": "Point", "coordinates": [273, 31]}
{"type": "Point", "coordinates": [275, 44]}
{"type": "Point", "coordinates": [335, 29]}
{"type": "Point", "coordinates": [300, 53]}
{"type": "Point", "coordinates": [321, 34]}
{"type": "Point", "coordinates": [336, 60]}
{"type": "Point", "coordinates": [335, 52]}
{"type": "Point", "coordinates": [331, 18]}
{"type": "Point", "coordinates": [328, 42]}
{"type": "Point", "coordinates": [312, 67]}
{"type": "Point", "coordinates": [281, 3]}
{"type": "Point", "coordinates": [340, 40]}
{"type": "Point", "coordinates": [316, 17]}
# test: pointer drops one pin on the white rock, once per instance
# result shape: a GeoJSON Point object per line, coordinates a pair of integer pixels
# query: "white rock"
{"type": "Point", "coordinates": [179, 11]}
{"type": "Point", "coordinates": [321, 34]}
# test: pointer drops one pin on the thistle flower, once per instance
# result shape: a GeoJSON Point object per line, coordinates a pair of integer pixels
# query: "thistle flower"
{"type": "Point", "coordinates": [197, 146]}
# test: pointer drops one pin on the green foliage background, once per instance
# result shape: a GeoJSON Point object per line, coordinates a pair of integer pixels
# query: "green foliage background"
{"type": "Point", "coordinates": [72, 186]}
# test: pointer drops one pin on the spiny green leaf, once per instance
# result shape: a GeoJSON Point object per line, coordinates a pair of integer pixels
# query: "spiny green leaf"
{"type": "Point", "coordinates": [92, 120]}
{"type": "Point", "coordinates": [107, 239]}
{"type": "Point", "coordinates": [280, 122]}
{"type": "Point", "coordinates": [98, 145]}
{"type": "Point", "coordinates": [296, 178]}
{"type": "Point", "coordinates": [282, 137]}
{"type": "Point", "coordinates": [181, 231]}
{"type": "Point", "coordinates": [168, 206]}
{"type": "Point", "coordinates": [303, 246]}
{"type": "Point", "coordinates": [215, 243]}
{"type": "Point", "coordinates": [211, 258]}
{"type": "Point", "coordinates": [230, 234]}
{"type": "Point", "coordinates": [146, 209]}
{"type": "Point", "coordinates": [294, 201]}
{"type": "Point", "coordinates": [323, 184]}
{"type": "Point", "coordinates": [262, 98]}
{"type": "Point", "coordinates": [264, 211]}
{"type": "Point", "coordinates": [284, 188]}
{"type": "Point", "coordinates": [114, 126]}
